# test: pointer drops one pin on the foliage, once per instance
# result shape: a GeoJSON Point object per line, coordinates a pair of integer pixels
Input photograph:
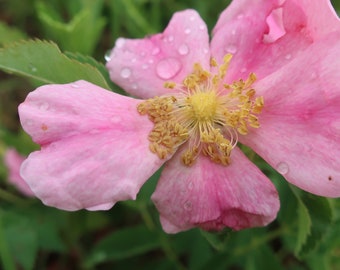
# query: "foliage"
{"type": "Point", "coordinates": [63, 41]}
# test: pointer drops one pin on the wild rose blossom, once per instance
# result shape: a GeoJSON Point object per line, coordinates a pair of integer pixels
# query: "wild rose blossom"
{"type": "Point", "coordinates": [268, 79]}
{"type": "Point", "coordinates": [13, 161]}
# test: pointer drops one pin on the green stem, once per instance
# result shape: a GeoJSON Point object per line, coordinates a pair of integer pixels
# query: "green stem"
{"type": "Point", "coordinates": [9, 197]}
{"type": "Point", "coordinates": [167, 249]}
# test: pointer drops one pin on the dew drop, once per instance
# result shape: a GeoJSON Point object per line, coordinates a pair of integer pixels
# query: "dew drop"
{"type": "Point", "coordinates": [133, 60]}
{"type": "Point", "coordinates": [116, 119]}
{"type": "Point", "coordinates": [32, 68]}
{"type": "Point", "coordinates": [167, 68]}
{"type": "Point", "coordinates": [120, 42]}
{"type": "Point", "coordinates": [202, 27]}
{"type": "Point", "coordinates": [243, 70]}
{"type": "Point", "coordinates": [145, 66]}
{"type": "Point", "coordinates": [282, 168]}
{"type": "Point", "coordinates": [187, 31]}
{"type": "Point", "coordinates": [190, 185]}
{"type": "Point", "coordinates": [134, 86]}
{"type": "Point", "coordinates": [171, 38]}
{"type": "Point", "coordinates": [288, 56]}
{"type": "Point", "coordinates": [28, 122]}
{"type": "Point", "coordinates": [44, 106]}
{"type": "Point", "coordinates": [125, 73]}
{"type": "Point", "coordinates": [335, 125]}
{"type": "Point", "coordinates": [183, 49]}
{"type": "Point", "coordinates": [240, 16]}
{"type": "Point", "coordinates": [150, 61]}
{"type": "Point", "coordinates": [155, 51]}
{"type": "Point", "coordinates": [107, 56]}
{"type": "Point", "coordinates": [313, 76]}
{"type": "Point", "coordinates": [187, 205]}
{"type": "Point", "coordinates": [231, 48]}
{"type": "Point", "coordinates": [233, 32]}
{"type": "Point", "coordinates": [192, 18]}
{"type": "Point", "coordinates": [74, 85]}
{"type": "Point", "coordinates": [205, 51]}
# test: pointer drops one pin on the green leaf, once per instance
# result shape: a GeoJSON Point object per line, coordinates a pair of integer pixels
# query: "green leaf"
{"type": "Point", "coordinates": [315, 217]}
{"type": "Point", "coordinates": [10, 34]}
{"type": "Point", "coordinates": [321, 214]}
{"type": "Point", "coordinates": [22, 239]}
{"type": "Point", "coordinates": [217, 240]}
{"type": "Point", "coordinates": [98, 65]}
{"type": "Point", "coordinates": [123, 244]}
{"type": "Point", "coordinates": [263, 258]}
{"type": "Point", "coordinates": [80, 34]}
{"type": "Point", "coordinates": [43, 61]}
{"type": "Point", "coordinates": [304, 225]}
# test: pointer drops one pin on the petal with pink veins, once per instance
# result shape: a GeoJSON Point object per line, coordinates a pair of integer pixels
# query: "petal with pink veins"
{"type": "Point", "coordinates": [141, 66]}
{"type": "Point", "coordinates": [212, 196]}
{"type": "Point", "coordinates": [300, 128]}
{"type": "Point", "coordinates": [267, 34]}
{"type": "Point", "coordinates": [95, 150]}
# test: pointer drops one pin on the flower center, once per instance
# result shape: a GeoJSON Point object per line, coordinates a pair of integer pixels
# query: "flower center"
{"type": "Point", "coordinates": [202, 106]}
{"type": "Point", "coordinates": [207, 114]}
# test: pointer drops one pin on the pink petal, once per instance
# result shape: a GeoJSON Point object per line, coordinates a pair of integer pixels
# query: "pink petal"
{"type": "Point", "coordinates": [13, 161]}
{"type": "Point", "coordinates": [141, 66]}
{"type": "Point", "coordinates": [267, 34]}
{"type": "Point", "coordinates": [95, 150]}
{"type": "Point", "coordinates": [300, 127]}
{"type": "Point", "coordinates": [212, 196]}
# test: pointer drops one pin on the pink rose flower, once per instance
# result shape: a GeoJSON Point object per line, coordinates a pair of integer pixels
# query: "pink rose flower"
{"type": "Point", "coordinates": [13, 161]}
{"type": "Point", "coordinates": [268, 79]}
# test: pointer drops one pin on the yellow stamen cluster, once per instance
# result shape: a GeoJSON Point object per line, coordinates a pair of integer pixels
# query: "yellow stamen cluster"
{"type": "Point", "coordinates": [206, 112]}
{"type": "Point", "coordinates": [167, 134]}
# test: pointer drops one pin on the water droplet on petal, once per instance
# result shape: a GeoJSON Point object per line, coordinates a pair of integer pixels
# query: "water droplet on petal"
{"type": "Point", "coordinates": [243, 70]}
{"type": "Point", "coordinates": [171, 38]}
{"type": "Point", "coordinates": [282, 168]}
{"type": "Point", "coordinates": [120, 42]}
{"type": "Point", "coordinates": [231, 48]}
{"type": "Point", "coordinates": [145, 66]}
{"type": "Point", "coordinates": [240, 16]}
{"type": "Point", "coordinates": [28, 122]}
{"type": "Point", "coordinates": [190, 185]}
{"type": "Point", "coordinates": [125, 73]}
{"type": "Point", "coordinates": [335, 125]}
{"type": "Point", "coordinates": [183, 49]}
{"type": "Point", "coordinates": [44, 106]}
{"type": "Point", "coordinates": [107, 56]}
{"type": "Point", "coordinates": [187, 31]}
{"type": "Point", "coordinates": [133, 60]}
{"type": "Point", "coordinates": [155, 51]}
{"type": "Point", "coordinates": [150, 61]}
{"type": "Point", "coordinates": [134, 86]}
{"type": "Point", "coordinates": [168, 68]}
{"type": "Point", "coordinates": [202, 27]}
{"type": "Point", "coordinates": [313, 76]}
{"type": "Point", "coordinates": [187, 205]}
{"type": "Point", "coordinates": [192, 18]}
{"type": "Point", "coordinates": [233, 32]}
{"type": "Point", "coordinates": [116, 119]}
{"type": "Point", "coordinates": [205, 51]}
{"type": "Point", "coordinates": [288, 56]}
{"type": "Point", "coordinates": [74, 85]}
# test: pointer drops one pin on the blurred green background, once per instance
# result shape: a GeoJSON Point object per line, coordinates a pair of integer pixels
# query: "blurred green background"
{"type": "Point", "coordinates": [129, 236]}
